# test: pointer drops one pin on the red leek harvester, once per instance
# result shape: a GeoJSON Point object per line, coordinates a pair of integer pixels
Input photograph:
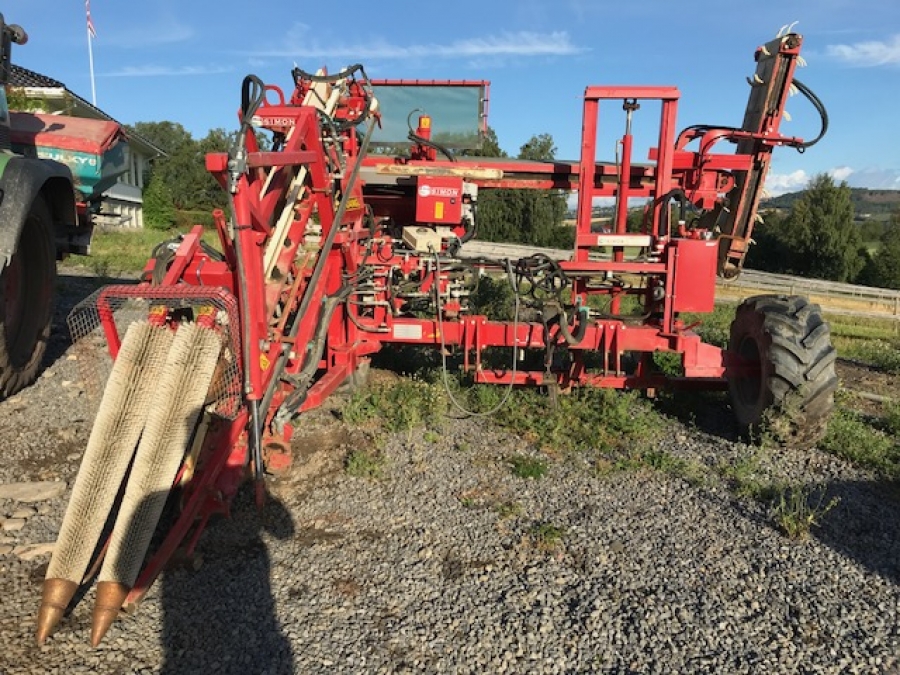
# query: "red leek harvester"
{"type": "Point", "coordinates": [331, 254]}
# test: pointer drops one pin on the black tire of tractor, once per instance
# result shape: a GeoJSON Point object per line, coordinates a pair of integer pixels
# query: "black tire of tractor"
{"type": "Point", "coordinates": [791, 397]}
{"type": "Point", "coordinates": [27, 287]}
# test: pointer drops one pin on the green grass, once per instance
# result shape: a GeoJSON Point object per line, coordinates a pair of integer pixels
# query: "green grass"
{"type": "Point", "coordinates": [125, 252]}
{"type": "Point", "coordinates": [872, 444]}
{"type": "Point", "coordinates": [507, 509]}
{"type": "Point", "coordinates": [400, 406]}
{"type": "Point", "coordinates": [546, 537]}
{"type": "Point", "coordinates": [862, 328]}
{"type": "Point", "coordinates": [598, 420]}
{"type": "Point", "coordinates": [713, 327]}
{"type": "Point", "coordinates": [747, 478]}
{"type": "Point", "coordinates": [527, 467]}
{"type": "Point", "coordinates": [876, 352]}
{"type": "Point", "coordinates": [365, 464]}
{"type": "Point", "coordinates": [664, 462]}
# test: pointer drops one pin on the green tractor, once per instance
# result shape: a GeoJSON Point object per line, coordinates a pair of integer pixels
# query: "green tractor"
{"type": "Point", "coordinates": [50, 182]}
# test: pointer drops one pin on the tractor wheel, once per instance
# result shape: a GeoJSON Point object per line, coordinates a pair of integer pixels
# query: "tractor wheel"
{"type": "Point", "coordinates": [784, 380]}
{"type": "Point", "coordinates": [26, 304]}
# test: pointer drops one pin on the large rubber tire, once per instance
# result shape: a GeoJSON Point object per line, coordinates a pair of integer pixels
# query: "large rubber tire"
{"type": "Point", "coordinates": [27, 285]}
{"type": "Point", "coordinates": [785, 381]}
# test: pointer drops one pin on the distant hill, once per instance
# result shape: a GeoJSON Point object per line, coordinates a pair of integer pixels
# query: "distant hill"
{"type": "Point", "coordinates": [867, 204]}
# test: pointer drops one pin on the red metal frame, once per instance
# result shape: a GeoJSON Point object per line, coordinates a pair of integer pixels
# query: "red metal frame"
{"type": "Point", "coordinates": [344, 283]}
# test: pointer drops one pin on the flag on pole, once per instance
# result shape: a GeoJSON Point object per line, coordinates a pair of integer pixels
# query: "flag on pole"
{"type": "Point", "coordinates": [90, 22]}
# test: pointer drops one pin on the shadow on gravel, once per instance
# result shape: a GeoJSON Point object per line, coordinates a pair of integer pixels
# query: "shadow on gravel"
{"type": "Point", "coordinates": [707, 411]}
{"type": "Point", "coordinates": [71, 288]}
{"type": "Point", "coordinates": [865, 525]}
{"type": "Point", "coordinates": [221, 618]}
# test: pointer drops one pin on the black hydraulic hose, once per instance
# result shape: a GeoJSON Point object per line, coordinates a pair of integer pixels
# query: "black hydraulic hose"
{"type": "Point", "coordinates": [415, 138]}
{"type": "Point", "coordinates": [304, 378]}
{"type": "Point", "coordinates": [665, 224]}
{"type": "Point", "coordinates": [253, 92]}
{"type": "Point", "coordinates": [299, 74]}
{"type": "Point", "coordinates": [820, 108]}
{"type": "Point", "coordinates": [163, 254]}
{"type": "Point", "coordinates": [573, 338]}
{"type": "Point", "coordinates": [284, 413]}
{"type": "Point", "coordinates": [252, 96]}
{"type": "Point", "coordinates": [471, 225]}
{"type": "Point", "coordinates": [803, 89]}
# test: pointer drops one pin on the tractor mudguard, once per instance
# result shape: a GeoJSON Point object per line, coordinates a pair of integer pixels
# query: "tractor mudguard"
{"type": "Point", "coordinates": [21, 181]}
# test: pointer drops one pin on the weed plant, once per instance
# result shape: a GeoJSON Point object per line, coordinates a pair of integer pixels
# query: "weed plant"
{"type": "Point", "coordinates": [867, 443]}
{"type": "Point", "coordinates": [399, 406]}
{"type": "Point", "coordinates": [527, 467]}
{"type": "Point", "coordinates": [362, 463]}
{"type": "Point", "coordinates": [797, 509]}
{"type": "Point", "coordinates": [547, 537]}
{"type": "Point", "coordinates": [600, 420]}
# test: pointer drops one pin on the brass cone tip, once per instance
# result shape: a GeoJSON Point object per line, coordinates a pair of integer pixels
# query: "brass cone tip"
{"type": "Point", "coordinates": [110, 596]}
{"type": "Point", "coordinates": [55, 597]}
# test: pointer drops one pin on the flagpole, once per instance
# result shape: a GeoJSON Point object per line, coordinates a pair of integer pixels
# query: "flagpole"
{"type": "Point", "coordinates": [91, 34]}
{"type": "Point", "coordinates": [91, 61]}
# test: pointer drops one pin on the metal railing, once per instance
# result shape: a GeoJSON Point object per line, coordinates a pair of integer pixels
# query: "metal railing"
{"type": "Point", "coordinates": [834, 298]}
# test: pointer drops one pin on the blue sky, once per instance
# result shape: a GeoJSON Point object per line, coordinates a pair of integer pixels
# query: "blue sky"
{"type": "Point", "coordinates": [184, 62]}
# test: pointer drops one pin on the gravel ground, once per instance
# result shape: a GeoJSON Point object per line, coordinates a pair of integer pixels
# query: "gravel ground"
{"type": "Point", "coordinates": [452, 564]}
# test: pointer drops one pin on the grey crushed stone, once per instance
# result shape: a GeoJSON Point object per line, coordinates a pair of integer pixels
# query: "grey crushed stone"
{"type": "Point", "coordinates": [441, 566]}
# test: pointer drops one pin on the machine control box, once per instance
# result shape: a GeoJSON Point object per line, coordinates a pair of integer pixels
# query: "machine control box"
{"type": "Point", "coordinates": [439, 199]}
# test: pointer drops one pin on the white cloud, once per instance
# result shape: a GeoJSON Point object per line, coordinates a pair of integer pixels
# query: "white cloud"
{"type": "Point", "coordinates": [778, 184]}
{"type": "Point", "coordinates": [875, 179]}
{"type": "Point", "coordinates": [871, 178]}
{"type": "Point", "coordinates": [871, 53]}
{"type": "Point", "coordinates": [522, 44]}
{"type": "Point", "coordinates": [165, 71]}
{"type": "Point", "coordinates": [841, 173]}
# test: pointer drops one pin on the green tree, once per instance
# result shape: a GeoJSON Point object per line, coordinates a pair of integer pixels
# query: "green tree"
{"type": "Point", "coordinates": [490, 147]}
{"type": "Point", "coordinates": [523, 216]}
{"type": "Point", "coordinates": [183, 170]}
{"type": "Point", "coordinates": [159, 212]}
{"type": "Point", "coordinates": [210, 194]}
{"type": "Point", "coordinates": [883, 268]}
{"type": "Point", "coordinates": [769, 252]}
{"type": "Point", "coordinates": [818, 238]}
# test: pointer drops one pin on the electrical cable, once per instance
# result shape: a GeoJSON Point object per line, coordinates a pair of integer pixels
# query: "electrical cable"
{"type": "Point", "coordinates": [444, 370]}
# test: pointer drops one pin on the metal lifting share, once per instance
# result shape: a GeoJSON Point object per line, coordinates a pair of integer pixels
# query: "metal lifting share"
{"type": "Point", "coordinates": [335, 249]}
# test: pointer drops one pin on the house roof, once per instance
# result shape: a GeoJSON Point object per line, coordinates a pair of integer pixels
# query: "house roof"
{"type": "Point", "coordinates": [22, 77]}
{"type": "Point", "coordinates": [29, 79]}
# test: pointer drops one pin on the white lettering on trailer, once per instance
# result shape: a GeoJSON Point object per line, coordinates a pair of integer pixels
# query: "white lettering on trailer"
{"type": "Point", "coordinates": [258, 121]}
{"type": "Point", "coordinates": [434, 191]}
